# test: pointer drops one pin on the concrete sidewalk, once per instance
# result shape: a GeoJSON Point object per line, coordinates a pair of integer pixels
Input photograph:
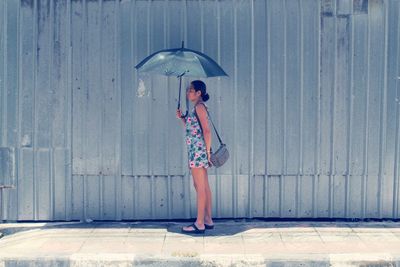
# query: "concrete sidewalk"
{"type": "Point", "coordinates": [230, 243]}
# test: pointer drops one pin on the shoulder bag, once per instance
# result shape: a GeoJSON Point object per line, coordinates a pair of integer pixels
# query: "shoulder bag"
{"type": "Point", "coordinates": [219, 157]}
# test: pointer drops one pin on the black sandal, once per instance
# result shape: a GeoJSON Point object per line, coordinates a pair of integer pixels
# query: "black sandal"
{"type": "Point", "coordinates": [196, 230]}
{"type": "Point", "coordinates": [209, 226]}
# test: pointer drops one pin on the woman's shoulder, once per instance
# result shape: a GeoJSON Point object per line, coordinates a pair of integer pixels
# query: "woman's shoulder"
{"type": "Point", "coordinates": [200, 104]}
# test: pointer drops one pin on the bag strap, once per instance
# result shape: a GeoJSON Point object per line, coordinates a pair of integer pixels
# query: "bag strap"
{"type": "Point", "coordinates": [195, 113]}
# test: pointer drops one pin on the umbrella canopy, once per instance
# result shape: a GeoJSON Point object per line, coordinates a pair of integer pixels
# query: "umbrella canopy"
{"type": "Point", "coordinates": [179, 62]}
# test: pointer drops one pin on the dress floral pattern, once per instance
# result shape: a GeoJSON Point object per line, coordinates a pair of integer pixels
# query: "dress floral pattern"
{"type": "Point", "coordinates": [196, 146]}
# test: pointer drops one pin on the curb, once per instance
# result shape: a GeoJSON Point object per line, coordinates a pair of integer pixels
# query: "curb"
{"type": "Point", "coordinates": [210, 260]}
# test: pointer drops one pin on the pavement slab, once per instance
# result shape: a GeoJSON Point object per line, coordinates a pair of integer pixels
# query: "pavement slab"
{"type": "Point", "coordinates": [231, 243]}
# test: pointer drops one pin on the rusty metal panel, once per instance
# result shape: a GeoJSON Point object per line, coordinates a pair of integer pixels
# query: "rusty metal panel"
{"type": "Point", "coordinates": [310, 110]}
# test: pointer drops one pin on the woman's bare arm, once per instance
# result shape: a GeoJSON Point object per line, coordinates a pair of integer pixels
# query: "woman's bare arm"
{"type": "Point", "coordinates": [202, 114]}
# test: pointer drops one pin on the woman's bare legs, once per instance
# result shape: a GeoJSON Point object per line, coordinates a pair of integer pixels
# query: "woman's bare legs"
{"type": "Point", "coordinates": [207, 216]}
{"type": "Point", "coordinates": [200, 181]}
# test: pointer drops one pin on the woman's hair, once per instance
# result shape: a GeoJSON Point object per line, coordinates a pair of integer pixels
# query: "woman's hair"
{"type": "Point", "coordinates": [200, 85]}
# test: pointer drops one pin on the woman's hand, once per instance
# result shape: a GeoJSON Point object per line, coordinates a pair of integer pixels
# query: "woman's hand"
{"type": "Point", "coordinates": [178, 113]}
{"type": "Point", "coordinates": [178, 116]}
{"type": "Point", "coordinates": [209, 157]}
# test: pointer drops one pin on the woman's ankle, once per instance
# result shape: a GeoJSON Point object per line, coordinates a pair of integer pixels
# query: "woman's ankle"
{"type": "Point", "coordinates": [200, 224]}
{"type": "Point", "coordinates": [208, 220]}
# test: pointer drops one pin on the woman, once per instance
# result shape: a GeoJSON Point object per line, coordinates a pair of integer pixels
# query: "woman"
{"type": "Point", "coordinates": [198, 141]}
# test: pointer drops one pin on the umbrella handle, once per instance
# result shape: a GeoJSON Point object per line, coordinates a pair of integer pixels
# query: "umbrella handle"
{"type": "Point", "coordinates": [179, 101]}
{"type": "Point", "coordinates": [179, 105]}
{"type": "Point", "coordinates": [184, 116]}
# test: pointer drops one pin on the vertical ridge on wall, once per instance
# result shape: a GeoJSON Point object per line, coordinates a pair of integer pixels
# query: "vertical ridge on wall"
{"type": "Point", "coordinates": [149, 111]}
{"type": "Point", "coordinates": [349, 124]}
{"type": "Point", "coordinates": [69, 134]}
{"type": "Point", "coordinates": [217, 190]}
{"type": "Point", "coordinates": [3, 69]}
{"type": "Point", "coordinates": [299, 176]}
{"type": "Point", "coordinates": [251, 154]}
{"type": "Point", "coordinates": [317, 151]}
{"type": "Point", "coordinates": [375, 101]}
{"type": "Point", "coordinates": [358, 86]}
{"type": "Point", "coordinates": [34, 132]}
{"type": "Point", "coordinates": [169, 111]}
{"type": "Point", "coordinates": [283, 160]}
{"type": "Point", "coordinates": [392, 11]}
{"type": "Point", "coordinates": [396, 199]}
{"type": "Point", "coordinates": [84, 201]}
{"type": "Point", "coordinates": [365, 140]}
{"type": "Point", "coordinates": [21, 206]}
{"type": "Point", "coordinates": [383, 117]}
{"type": "Point", "coordinates": [267, 115]}
{"type": "Point", "coordinates": [51, 212]}
{"type": "Point", "coordinates": [235, 74]}
{"type": "Point", "coordinates": [118, 152]}
{"type": "Point", "coordinates": [332, 162]}
{"type": "Point", "coordinates": [101, 140]}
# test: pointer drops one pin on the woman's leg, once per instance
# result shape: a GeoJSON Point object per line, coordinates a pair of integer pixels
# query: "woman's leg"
{"type": "Point", "coordinates": [207, 216]}
{"type": "Point", "coordinates": [200, 186]}
{"type": "Point", "coordinates": [208, 209]}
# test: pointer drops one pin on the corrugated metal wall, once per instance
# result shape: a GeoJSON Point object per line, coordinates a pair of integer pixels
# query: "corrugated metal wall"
{"type": "Point", "coordinates": [310, 110]}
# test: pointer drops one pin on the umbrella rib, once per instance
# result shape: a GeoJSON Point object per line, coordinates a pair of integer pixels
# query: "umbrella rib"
{"type": "Point", "coordinates": [203, 70]}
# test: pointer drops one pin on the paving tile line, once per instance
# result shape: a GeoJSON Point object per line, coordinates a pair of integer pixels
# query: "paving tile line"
{"type": "Point", "coordinates": [36, 232]}
{"type": "Point", "coordinates": [22, 227]}
{"type": "Point", "coordinates": [19, 236]}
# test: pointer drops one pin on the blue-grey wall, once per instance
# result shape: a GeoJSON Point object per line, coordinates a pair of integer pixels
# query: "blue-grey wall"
{"type": "Point", "coordinates": [310, 111]}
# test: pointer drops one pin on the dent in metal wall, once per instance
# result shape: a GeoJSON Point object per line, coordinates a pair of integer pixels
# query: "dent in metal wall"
{"type": "Point", "coordinates": [310, 112]}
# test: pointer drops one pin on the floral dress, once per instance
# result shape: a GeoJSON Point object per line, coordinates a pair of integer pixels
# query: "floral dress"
{"type": "Point", "coordinates": [196, 145]}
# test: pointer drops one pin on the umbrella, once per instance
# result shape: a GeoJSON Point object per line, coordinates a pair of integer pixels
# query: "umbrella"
{"type": "Point", "coordinates": [178, 62]}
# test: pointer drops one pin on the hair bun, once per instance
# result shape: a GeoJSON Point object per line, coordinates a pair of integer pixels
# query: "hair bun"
{"type": "Point", "coordinates": [205, 97]}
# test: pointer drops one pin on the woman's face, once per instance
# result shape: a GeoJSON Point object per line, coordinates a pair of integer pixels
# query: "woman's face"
{"type": "Point", "coordinates": [191, 93]}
